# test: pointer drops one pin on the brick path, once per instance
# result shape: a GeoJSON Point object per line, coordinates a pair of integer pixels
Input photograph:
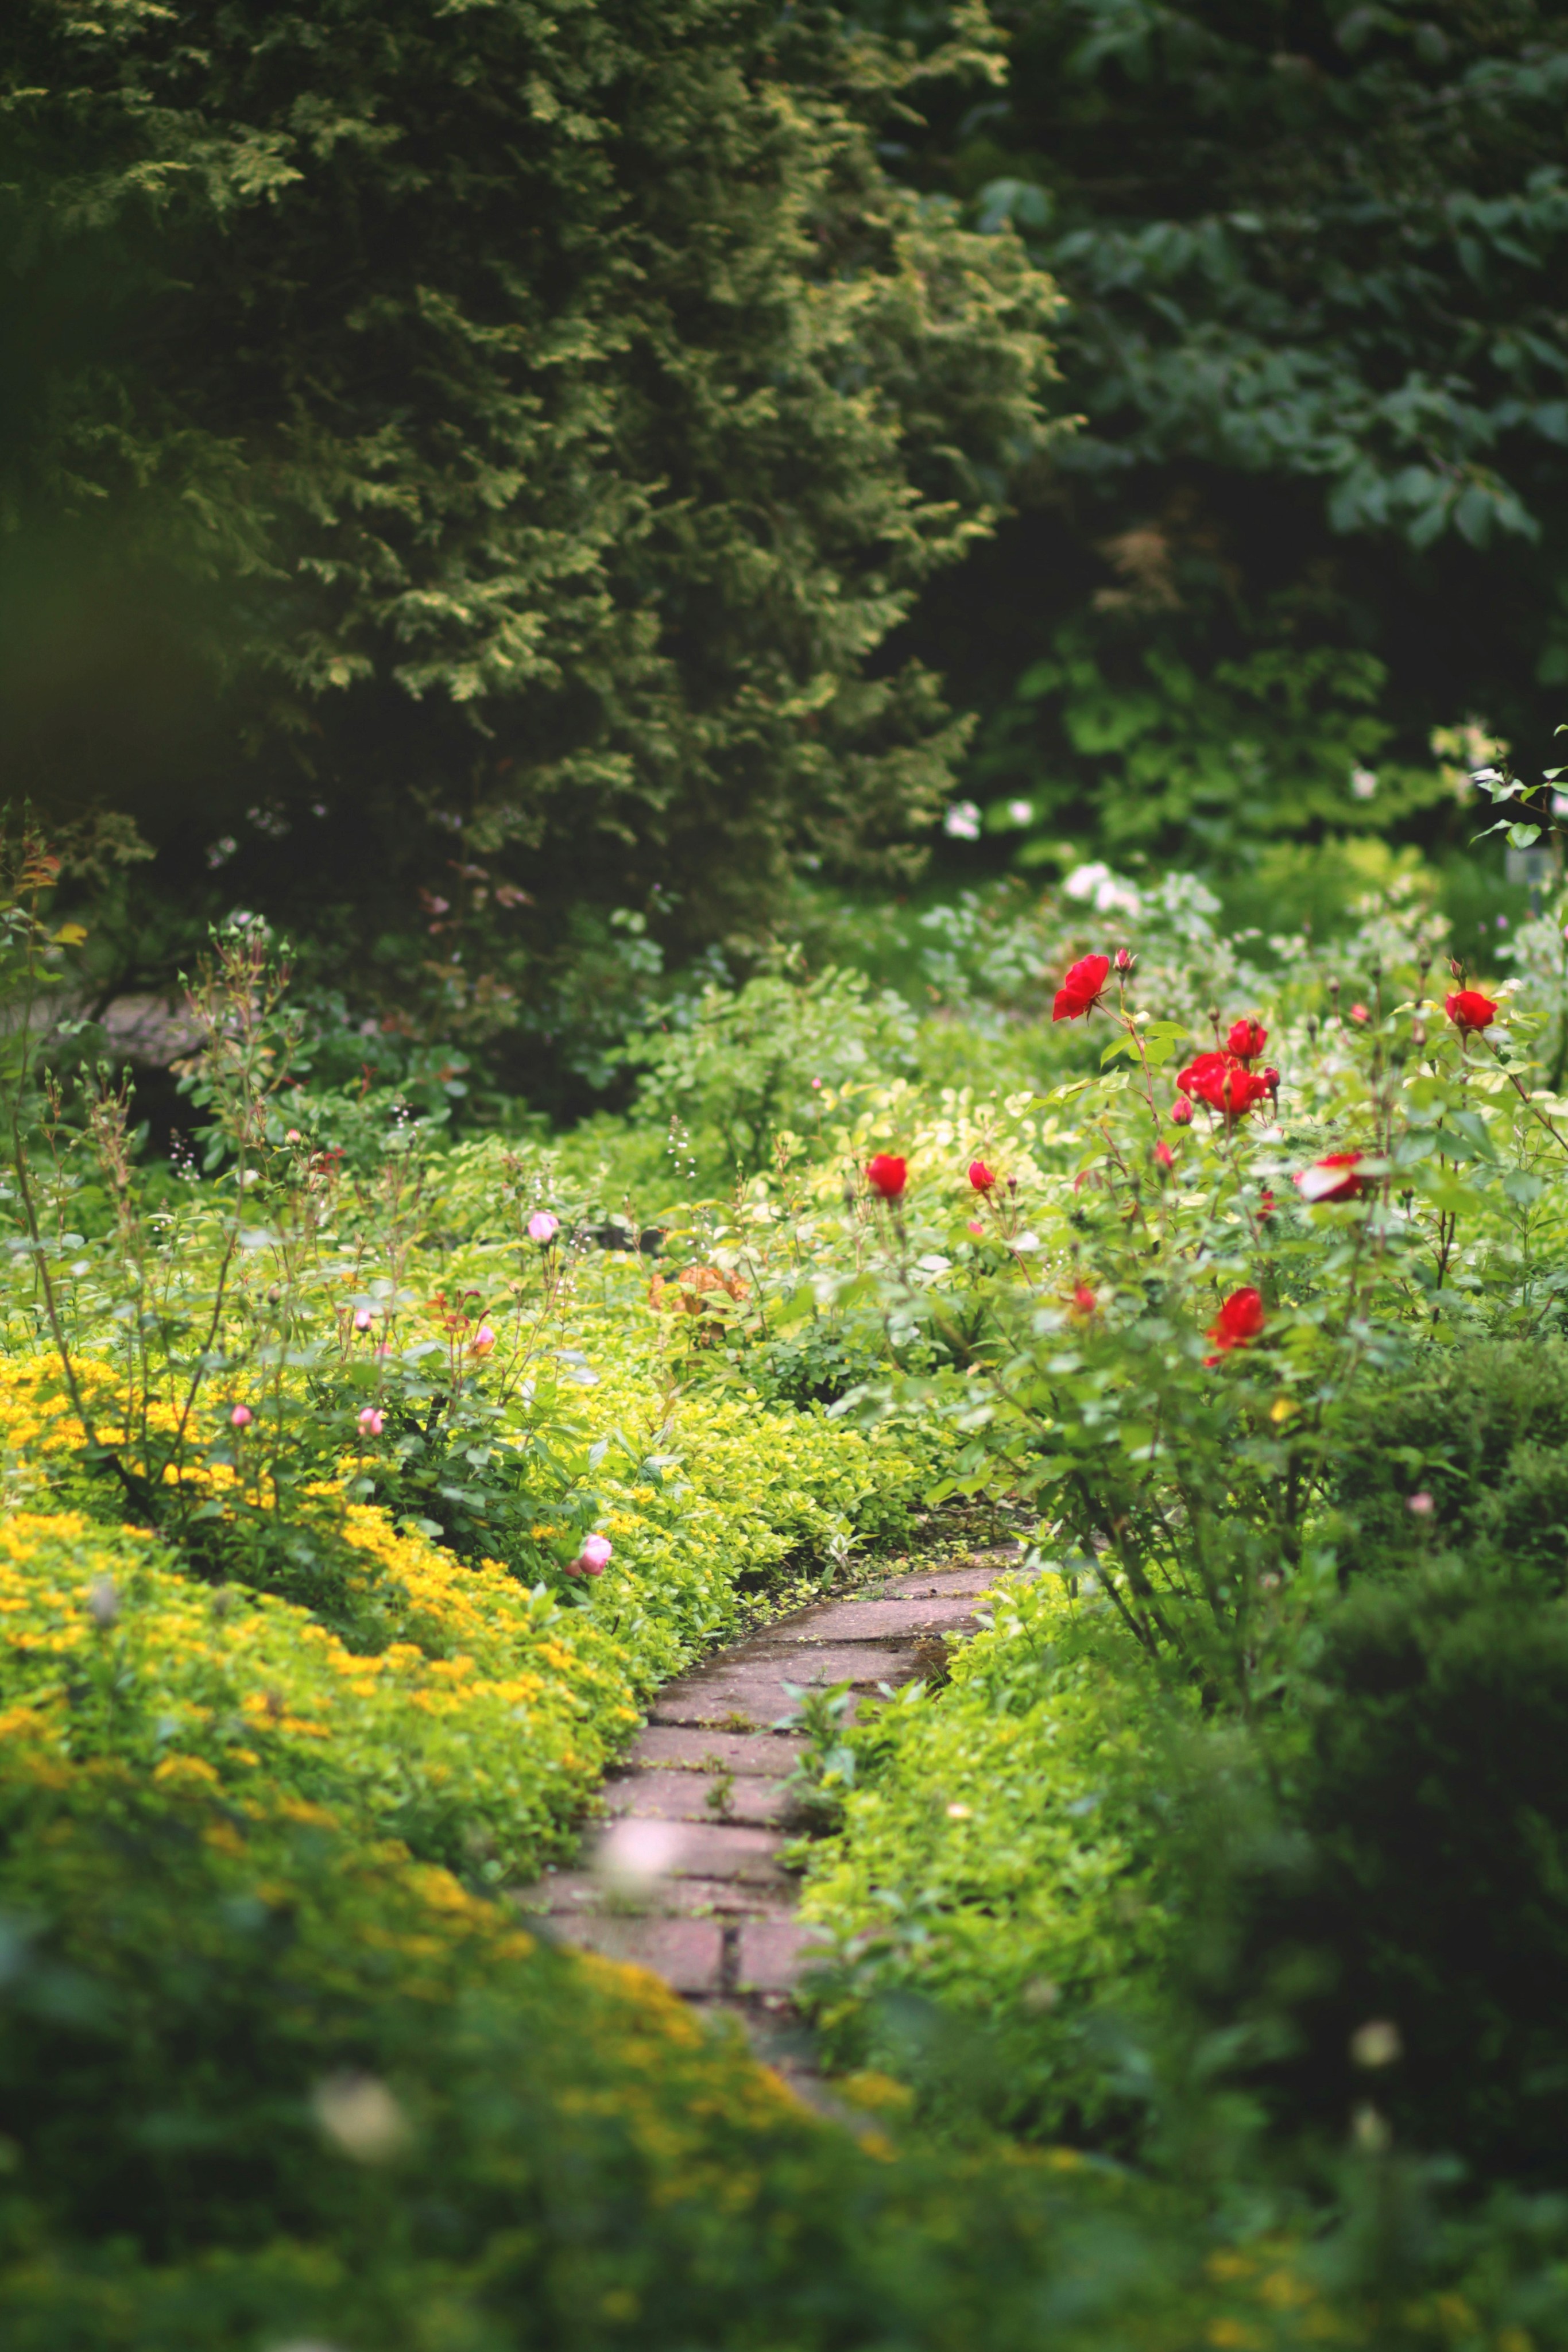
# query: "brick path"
{"type": "Point", "coordinates": [682, 1875]}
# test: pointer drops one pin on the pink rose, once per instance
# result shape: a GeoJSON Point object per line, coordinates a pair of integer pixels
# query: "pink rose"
{"type": "Point", "coordinates": [591, 1561]}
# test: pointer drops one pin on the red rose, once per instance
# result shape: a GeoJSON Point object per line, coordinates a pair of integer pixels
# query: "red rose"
{"type": "Point", "coordinates": [1332, 1179]}
{"type": "Point", "coordinates": [888, 1175]}
{"type": "Point", "coordinates": [1237, 1323]}
{"type": "Point", "coordinates": [1247, 1038]}
{"type": "Point", "coordinates": [1467, 1009]}
{"type": "Point", "coordinates": [1220, 1081]}
{"type": "Point", "coordinates": [1265, 1207]}
{"type": "Point", "coordinates": [1079, 991]}
{"type": "Point", "coordinates": [981, 1177]}
{"type": "Point", "coordinates": [1083, 1301]}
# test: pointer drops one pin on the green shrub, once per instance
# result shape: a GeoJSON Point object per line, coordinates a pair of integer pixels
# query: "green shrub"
{"type": "Point", "coordinates": [993, 1899]}
{"type": "Point", "coordinates": [1414, 1875]}
{"type": "Point", "coordinates": [1482, 1429]}
{"type": "Point", "coordinates": [638, 485]}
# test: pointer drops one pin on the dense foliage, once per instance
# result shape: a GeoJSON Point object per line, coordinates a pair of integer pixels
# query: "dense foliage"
{"type": "Point", "coordinates": [459, 461]}
{"type": "Point", "coordinates": [362, 1483]}
{"type": "Point", "coordinates": [523, 444]}
{"type": "Point", "coordinates": [1314, 254]}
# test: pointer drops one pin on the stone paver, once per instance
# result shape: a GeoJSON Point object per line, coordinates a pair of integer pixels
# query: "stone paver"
{"type": "Point", "coordinates": [682, 1876]}
{"type": "Point", "coordinates": [880, 1620]}
{"type": "Point", "coordinates": [770, 1954]}
{"type": "Point", "coordinates": [688, 1954]}
{"type": "Point", "coordinates": [751, 1692]}
{"type": "Point", "coordinates": [635, 1849]}
{"type": "Point", "coordinates": [696, 1797]}
{"type": "Point", "coordinates": [699, 1750]}
{"type": "Point", "coordinates": [565, 1895]}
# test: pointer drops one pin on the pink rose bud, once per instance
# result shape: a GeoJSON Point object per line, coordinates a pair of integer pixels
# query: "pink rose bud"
{"type": "Point", "coordinates": [361, 1319]}
{"type": "Point", "coordinates": [596, 1550]}
{"type": "Point", "coordinates": [1124, 960]}
{"type": "Point", "coordinates": [293, 1136]}
{"type": "Point", "coordinates": [1421, 1503]}
{"type": "Point", "coordinates": [372, 1421]}
{"type": "Point", "coordinates": [241, 1417]}
{"type": "Point", "coordinates": [1359, 1012]}
{"type": "Point", "coordinates": [481, 1342]}
{"type": "Point", "coordinates": [543, 1227]}
{"type": "Point", "coordinates": [1181, 1112]}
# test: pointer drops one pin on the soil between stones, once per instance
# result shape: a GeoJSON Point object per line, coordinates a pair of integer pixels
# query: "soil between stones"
{"type": "Point", "coordinates": [682, 1876]}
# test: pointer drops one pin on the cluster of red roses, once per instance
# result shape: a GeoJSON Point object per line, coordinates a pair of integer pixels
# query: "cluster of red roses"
{"type": "Point", "coordinates": [1226, 1079]}
{"type": "Point", "coordinates": [1226, 1082]}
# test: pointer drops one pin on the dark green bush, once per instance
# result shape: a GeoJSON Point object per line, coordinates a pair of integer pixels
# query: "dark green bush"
{"type": "Point", "coordinates": [1482, 1429]}
{"type": "Point", "coordinates": [1414, 1876]}
{"type": "Point", "coordinates": [458, 462]}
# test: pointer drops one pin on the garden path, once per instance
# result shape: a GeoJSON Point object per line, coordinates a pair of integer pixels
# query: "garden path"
{"type": "Point", "coordinates": [682, 1875]}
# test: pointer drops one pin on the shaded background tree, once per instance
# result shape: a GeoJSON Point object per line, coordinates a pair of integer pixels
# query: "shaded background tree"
{"type": "Point", "coordinates": [461, 460]}
{"type": "Point", "coordinates": [1315, 256]}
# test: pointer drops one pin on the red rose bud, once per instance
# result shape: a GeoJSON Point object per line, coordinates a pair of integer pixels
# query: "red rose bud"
{"type": "Point", "coordinates": [1271, 1080]}
{"type": "Point", "coordinates": [1332, 1179]}
{"type": "Point", "coordinates": [1124, 961]}
{"type": "Point", "coordinates": [1079, 991]}
{"type": "Point", "coordinates": [981, 1177]}
{"type": "Point", "coordinates": [887, 1174]}
{"type": "Point", "coordinates": [1163, 1151]}
{"type": "Point", "coordinates": [1181, 1112]}
{"type": "Point", "coordinates": [1237, 1323]}
{"type": "Point", "coordinates": [1247, 1039]}
{"type": "Point", "coordinates": [1469, 1010]}
{"type": "Point", "coordinates": [1083, 1301]}
{"type": "Point", "coordinates": [1359, 1012]}
{"type": "Point", "coordinates": [1265, 1207]}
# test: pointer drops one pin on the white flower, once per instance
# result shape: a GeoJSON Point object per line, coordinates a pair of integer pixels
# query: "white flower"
{"type": "Point", "coordinates": [962, 822]}
{"type": "Point", "coordinates": [1363, 784]}
{"type": "Point", "coordinates": [1112, 894]}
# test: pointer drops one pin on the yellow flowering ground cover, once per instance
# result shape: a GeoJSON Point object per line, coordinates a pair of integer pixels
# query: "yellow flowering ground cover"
{"type": "Point", "coordinates": [475, 1733]}
{"type": "Point", "coordinates": [448, 1701]}
{"type": "Point", "coordinates": [273, 2083]}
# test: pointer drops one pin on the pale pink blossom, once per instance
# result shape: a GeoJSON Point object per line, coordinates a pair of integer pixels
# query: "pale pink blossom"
{"type": "Point", "coordinates": [542, 1226]}
{"type": "Point", "coordinates": [362, 1319]}
{"type": "Point", "coordinates": [241, 1417]}
{"type": "Point", "coordinates": [591, 1561]}
{"type": "Point", "coordinates": [481, 1342]}
{"type": "Point", "coordinates": [372, 1421]}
